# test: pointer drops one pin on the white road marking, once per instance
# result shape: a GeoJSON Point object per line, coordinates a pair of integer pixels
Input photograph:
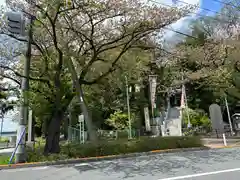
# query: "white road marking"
{"type": "Point", "coordinates": [201, 174]}
{"type": "Point", "coordinates": [82, 164]}
{"type": "Point", "coordinates": [26, 169]}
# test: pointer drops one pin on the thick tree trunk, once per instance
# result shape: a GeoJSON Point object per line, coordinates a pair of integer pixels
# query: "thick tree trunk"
{"type": "Point", "coordinates": [91, 130]}
{"type": "Point", "coordinates": [80, 95]}
{"type": "Point", "coordinates": [53, 134]}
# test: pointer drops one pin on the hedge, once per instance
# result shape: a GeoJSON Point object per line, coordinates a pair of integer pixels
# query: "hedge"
{"type": "Point", "coordinates": [70, 151]}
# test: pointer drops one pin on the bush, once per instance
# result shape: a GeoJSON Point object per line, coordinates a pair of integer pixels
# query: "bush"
{"type": "Point", "coordinates": [118, 120]}
{"type": "Point", "coordinates": [197, 118]}
{"type": "Point", "coordinates": [117, 147]}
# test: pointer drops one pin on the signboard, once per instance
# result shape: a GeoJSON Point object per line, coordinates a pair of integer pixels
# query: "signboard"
{"type": "Point", "coordinates": [153, 86]}
{"type": "Point", "coordinates": [81, 128]}
{"type": "Point", "coordinates": [81, 118]}
{"type": "Point", "coordinates": [147, 119]}
{"type": "Point", "coordinates": [216, 117]}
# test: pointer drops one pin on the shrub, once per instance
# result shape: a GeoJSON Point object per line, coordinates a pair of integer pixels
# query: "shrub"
{"type": "Point", "coordinates": [118, 120]}
{"type": "Point", "coordinates": [117, 147]}
{"type": "Point", "coordinates": [197, 118]}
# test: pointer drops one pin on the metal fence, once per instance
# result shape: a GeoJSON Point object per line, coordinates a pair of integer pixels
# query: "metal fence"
{"type": "Point", "coordinates": [199, 130]}
{"type": "Point", "coordinates": [117, 134]}
{"type": "Point", "coordinates": [80, 136]}
{"type": "Point", "coordinates": [208, 132]}
{"type": "Point", "coordinates": [76, 135]}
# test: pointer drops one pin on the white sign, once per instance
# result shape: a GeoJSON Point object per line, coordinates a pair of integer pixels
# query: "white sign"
{"type": "Point", "coordinates": [153, 87]}
{"type": "Point", "coordinates": [81, 118]}
{"type": "Point", "coordinates": [147, 119]}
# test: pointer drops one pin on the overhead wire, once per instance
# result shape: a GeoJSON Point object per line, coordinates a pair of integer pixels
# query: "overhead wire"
{"type": "Point", "coordinates": [170, 28]}
{"type": "Point", "coordinates": [205, 9]}
{"type": "Point", "coordinates": [182, 33]}
{"type": "Point", "coordinates": [198, 14]}
{"type": "Point", "coordinates": [228, 4]}
{"type": "Point", "coordinates": [176, 31]}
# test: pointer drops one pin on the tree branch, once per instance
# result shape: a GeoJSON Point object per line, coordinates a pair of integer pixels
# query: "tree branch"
{"type": "Point", "coordinates": [11, 78]}
{"type": "Point", "coordinates": [8, 89]}
{"type": "Point", "coordinates": [124, 49]}
{"type": "Point", "coordinates": [55, 42]}
{"type": "Point", "coordinates": [22, 76]}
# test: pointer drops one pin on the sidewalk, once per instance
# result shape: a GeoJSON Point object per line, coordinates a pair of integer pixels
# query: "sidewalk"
{"type": "Point", "coordinates": [6, 151]}
{"type": "Point", "coordinates": [221, 144]}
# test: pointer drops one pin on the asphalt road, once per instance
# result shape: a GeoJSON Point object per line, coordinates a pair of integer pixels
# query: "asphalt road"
{"type": "Point", "coordinates": [220, 164]}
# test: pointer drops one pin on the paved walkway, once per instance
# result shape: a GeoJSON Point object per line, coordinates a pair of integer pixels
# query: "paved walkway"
{"type": "Point", "coordinates": [7, 151]}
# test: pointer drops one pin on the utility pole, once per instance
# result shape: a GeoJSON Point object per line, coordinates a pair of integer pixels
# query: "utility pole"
{"type": "Point", "coordinates": [128, 107]}
{"type": "Point", "coordinates": [187, 110]}
{"type": "Point", "coordinates": [24, 110]}
{"type": "Point", "coordinates": [16, 25]}
{"type": "Point", "coordinates": [229, 116]}
{"type": "Point", "coordinates": [185, 103]}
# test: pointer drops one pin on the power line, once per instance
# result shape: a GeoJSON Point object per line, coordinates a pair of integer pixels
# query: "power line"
{"type": "Point", "coordinates": [178, 32]}
{"type": "Point", "coordinates": [210, 10]}
{"type": "Point", "coordinates": [205, 9]}
{"type": "Point", "coordinates": [228, 4]}
{"type": "Point", "coordinates": [181, 33]}
{"type": "Point", "coordinates": [198, 14]}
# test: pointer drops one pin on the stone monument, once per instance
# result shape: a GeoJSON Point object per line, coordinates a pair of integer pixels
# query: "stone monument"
{"type": "Point", "coordinates": [216, 118]}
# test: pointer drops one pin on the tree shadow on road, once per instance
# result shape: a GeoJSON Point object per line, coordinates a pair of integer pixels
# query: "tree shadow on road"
{"type": "Point", "coordinates": [171, 164]}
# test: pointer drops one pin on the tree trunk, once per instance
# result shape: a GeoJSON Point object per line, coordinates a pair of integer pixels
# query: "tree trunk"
{"type": "Point", "coordinates": [90, 128]}
{"type": "Point", "coordinates": [33, 129]}
{"type": "Point", "coordinates": [80, 95]}
{"type": "Point", "coordinates": [53, 134]}
{"type": "Point", "coordinates": [65, 127]}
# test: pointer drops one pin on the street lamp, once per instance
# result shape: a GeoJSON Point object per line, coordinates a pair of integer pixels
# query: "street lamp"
{"type": "Point", "coordinates": [128, 107]}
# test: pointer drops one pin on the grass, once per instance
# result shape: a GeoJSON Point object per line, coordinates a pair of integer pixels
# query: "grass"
{"type": "Point", "coordinates": [3, 140]}
{"type": "Point", "coordinates": [4, 159]}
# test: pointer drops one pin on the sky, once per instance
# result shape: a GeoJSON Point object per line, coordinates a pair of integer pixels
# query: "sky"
{"type": "Point", "coordinates": [182, 25]}
{"type": "Point", "coordinates": [205, 8]}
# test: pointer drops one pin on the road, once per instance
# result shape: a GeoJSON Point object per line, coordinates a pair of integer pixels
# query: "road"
{"type": "Point", "coordinates": [215, 164]}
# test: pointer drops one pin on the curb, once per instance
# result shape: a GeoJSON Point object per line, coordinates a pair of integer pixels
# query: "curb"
{"type": "Point", "coordinates": [100, 158]}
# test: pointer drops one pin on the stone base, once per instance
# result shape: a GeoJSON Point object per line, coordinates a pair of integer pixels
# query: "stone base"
{"type": "Point", "coordinates": [20, 158]}
{"type": "Point", "coordinates": [30, 144]}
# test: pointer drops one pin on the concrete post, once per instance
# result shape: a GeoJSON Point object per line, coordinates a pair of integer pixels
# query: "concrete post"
{"type": "Point", "coordinates": [30, 124]}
